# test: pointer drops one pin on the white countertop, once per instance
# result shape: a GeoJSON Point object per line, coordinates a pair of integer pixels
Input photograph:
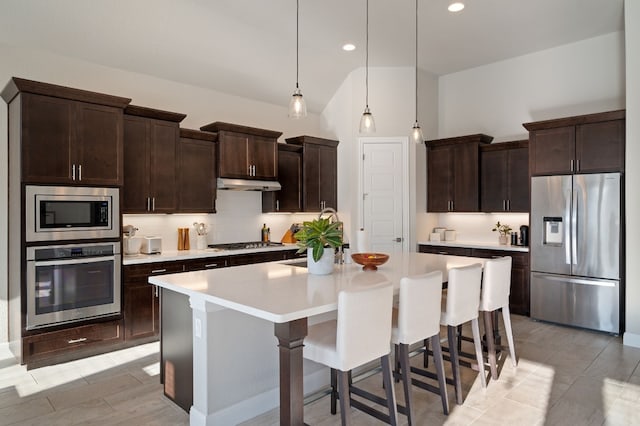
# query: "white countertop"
{"type": "Point", "coordinates": [474, 244]}
{"type": "Point", "coordinates": [280, 292]}
{"type": "Point", "coordinates": [173, 255]}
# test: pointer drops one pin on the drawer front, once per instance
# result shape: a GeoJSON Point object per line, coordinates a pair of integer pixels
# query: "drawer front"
{"type": "Point", "coordinates": [518, 258]}
{"type": "Point", "coordinates": [207, 263]}
{"type": "Point", "coordinates": [448, 251]}
{"type": "Point", "coordinates": [246, 259]}
{"type": "Point", "coordinates": [141, 272]}
{"type": "Point", "coordinates": [49, 344]}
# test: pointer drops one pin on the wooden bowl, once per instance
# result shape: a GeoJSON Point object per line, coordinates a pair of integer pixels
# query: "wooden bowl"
{"type": "Point", "coordinates": [370, 261]}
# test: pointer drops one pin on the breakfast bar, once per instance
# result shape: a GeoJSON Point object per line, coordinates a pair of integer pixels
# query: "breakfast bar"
{"type": "Point", "coordinates": [284, 294]}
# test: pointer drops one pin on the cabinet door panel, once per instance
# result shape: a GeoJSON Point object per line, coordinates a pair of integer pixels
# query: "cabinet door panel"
{"type": "Point", "coordinates": [262, 154]}
{"type": "Point", "coordinates": [465, 178]}
{"type": "Point", "coordinates": [518, 180]}
{"type": "Point", "coordinates": [233, 155]}
{"type": "Point", "coordinates": [196, 176]}
{"type": "Point", "coordinates": [163, 166]}
{"type": "Point", "coordinates": [141, 311]}
{"type": "Point", "coordinates": [289, 198]}
{"type": "Point", "coordinates": [600, 146]}
{"type": "Point", "coordinates": [136, 167]}
{"type": "Point", "coordinates": [46, 139]}
{"type": "Point", "coordinates": [98, 144]}
{"type": "Point", "coordinates": [439, 176]}
{"type": "Point", "coordinates": [329, 177]}
{"type": "Point", "coordinates": [552, 150]}
{"type": "Point", "coordinates": [493, 180]}
{"type": "Point", "coordinates": [312, 172]}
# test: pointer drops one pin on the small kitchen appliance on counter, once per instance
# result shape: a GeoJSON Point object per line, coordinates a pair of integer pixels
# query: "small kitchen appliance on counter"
{"type": "Point", "coordinates": [151, 245]}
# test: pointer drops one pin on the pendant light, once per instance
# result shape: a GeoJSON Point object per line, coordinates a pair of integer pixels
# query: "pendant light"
{"type": "Point", "coordinates": [416, 131]}
{"type": "Point", "coordinates": [297, 106]}
{"type": "Point", "coordinates": [367, 125]}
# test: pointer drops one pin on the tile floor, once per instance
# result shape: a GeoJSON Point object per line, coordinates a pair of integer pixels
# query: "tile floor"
{"type": "Point", "coordinates": [564, 376]}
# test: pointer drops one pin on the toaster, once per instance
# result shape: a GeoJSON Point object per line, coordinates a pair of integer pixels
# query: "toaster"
{"type": "Point", "coordinates": [151, 245]}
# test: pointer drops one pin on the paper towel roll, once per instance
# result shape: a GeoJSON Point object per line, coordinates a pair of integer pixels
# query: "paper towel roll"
{"type": "Point", "coordinates": [362, 241]}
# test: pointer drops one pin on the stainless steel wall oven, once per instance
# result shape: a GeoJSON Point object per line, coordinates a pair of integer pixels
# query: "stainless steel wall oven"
{"type": "Point", "coordinates": [68, 283]}
{"type": "Point", "coordinates": [71, 213]}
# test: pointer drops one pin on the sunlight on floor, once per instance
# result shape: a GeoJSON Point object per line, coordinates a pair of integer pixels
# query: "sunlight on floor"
{"type": "Point", "coordinates": [37, 380]}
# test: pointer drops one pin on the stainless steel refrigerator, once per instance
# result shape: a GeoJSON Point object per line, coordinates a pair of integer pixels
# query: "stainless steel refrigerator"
{"type": "Point", "coordinates": [575, 250]}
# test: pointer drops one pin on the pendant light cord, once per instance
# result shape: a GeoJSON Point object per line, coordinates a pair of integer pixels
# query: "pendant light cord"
{"type": "Point", "coordinates": [297, 40]}
{"type": "Point", "coordinates": [416, 61]}
{"type": "Point", "coordinates": [366, 69]}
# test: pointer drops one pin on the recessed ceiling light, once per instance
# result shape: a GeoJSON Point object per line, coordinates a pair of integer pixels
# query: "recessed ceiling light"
{"type": "Point", "coordinates": [348, 47]}
{"type": "Point", "coordinates": [456, 7]}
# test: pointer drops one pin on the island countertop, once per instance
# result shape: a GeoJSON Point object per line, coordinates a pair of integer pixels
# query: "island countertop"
{"type": "Point", "coordinates": [281, 292]}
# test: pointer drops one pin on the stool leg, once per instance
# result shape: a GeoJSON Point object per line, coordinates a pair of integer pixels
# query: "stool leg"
{"type": "Point", "coordinates": [455, 366]}
{"type": "Point", "coordinates": [406, 379]}
{"type": "Point", "coordinates": [334, 390]}
{"type": "Point", "coordinates": [389, 390]}
{"type": "Point", "coordinates": [491, 344]}
{"type": "Point", "coordinates": [478, 344]}
{"type": "Point", "coordinates": [506, 316]}
{"type": "Point", "coordinates": [397, 365]}
{"type": "Point", "coordinates": [442, 381]}
{"type": "Point", "coordinates": [345, 397]}
{"type": "Point", "coordinates": [425, 361]}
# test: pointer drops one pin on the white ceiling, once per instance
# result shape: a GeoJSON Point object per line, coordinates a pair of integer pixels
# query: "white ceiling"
{"type": "Point", "coordinates": [247, 47]}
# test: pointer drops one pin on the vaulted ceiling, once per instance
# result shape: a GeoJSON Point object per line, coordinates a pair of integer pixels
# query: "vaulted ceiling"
{"type": "Point", "coordinates": [248, 47]}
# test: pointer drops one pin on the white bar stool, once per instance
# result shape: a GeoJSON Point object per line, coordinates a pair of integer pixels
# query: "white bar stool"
{"type": "Point", "coordinates": [360, 334]}
{"type": "Point", "coordinates": [463, 300]}
{"type": "Point", "coordinates": [496, 285]}
{"type": "Point", "coordinates": [418, 318]}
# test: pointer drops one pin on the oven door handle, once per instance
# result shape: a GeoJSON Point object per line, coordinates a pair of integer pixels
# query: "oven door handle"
{"type": "Point", "coordinates": [93, 259]}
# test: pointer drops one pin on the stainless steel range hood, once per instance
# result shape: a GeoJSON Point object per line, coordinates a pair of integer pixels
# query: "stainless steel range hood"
{"type": "Point", "coordinates": [248, 185]}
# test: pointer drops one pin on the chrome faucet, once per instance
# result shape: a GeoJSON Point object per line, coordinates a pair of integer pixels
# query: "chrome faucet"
{"type": "Point", "coordinates": [333, 218]}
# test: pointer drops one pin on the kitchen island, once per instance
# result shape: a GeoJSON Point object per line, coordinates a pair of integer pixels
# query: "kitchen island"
{"type": "Point", "coordinates": [279, 293]}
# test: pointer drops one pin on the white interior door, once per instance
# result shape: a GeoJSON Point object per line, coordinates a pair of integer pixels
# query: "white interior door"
{"type": "Point", "coordinates": [385, 193]}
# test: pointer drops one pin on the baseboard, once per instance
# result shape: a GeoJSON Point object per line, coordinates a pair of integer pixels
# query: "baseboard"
{"type": "Point", "coordinates": [631, 339]}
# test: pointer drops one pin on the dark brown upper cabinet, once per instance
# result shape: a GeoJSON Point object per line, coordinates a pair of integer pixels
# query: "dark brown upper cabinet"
{"type": "Point", "coordinates": [453, 178]}
{"type": "Point", "coordinates": [592, 143]}
{"type": "Point", "coordinates": [67, 136]}
{"type": "Point", "coordinates": [245, 152]}
{"type": "Point", "coordinates": [197, 172]}
{"type": "Point", "coordinates": [150, 167]}
{"type": "Point", "coordinates": [319, 172]}
{"type": "Point", "coordinates": [289, 198]}
{"type": "Point", "coordinates": [504, 177]}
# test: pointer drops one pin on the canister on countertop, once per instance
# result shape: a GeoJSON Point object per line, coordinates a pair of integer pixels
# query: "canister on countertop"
{"type": "Point", "coordinates": [514, 238]}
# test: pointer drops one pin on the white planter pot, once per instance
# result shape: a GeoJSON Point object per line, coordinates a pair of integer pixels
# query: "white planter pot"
{"type": "Point", "coordinates": [324, 266]}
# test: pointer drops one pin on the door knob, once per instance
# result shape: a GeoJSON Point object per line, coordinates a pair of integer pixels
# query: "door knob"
{"type": "Point", "coordinates": [398, 239]}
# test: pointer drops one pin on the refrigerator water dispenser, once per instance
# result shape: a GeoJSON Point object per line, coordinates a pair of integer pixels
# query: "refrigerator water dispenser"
{"type": "Point", "coordinates": [552, 231]}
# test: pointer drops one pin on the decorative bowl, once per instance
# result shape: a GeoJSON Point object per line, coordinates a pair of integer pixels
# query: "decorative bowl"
{"type": "Point", "coordinates": [370, 261]}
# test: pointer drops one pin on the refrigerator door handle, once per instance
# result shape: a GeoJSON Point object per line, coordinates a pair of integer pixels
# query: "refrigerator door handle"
{"type": "Point", "coordinates": [565, 279]}
{"type": "Point", "coordinates": [567, 230]}
{"type": "Point", "coordinates": [574, 229]}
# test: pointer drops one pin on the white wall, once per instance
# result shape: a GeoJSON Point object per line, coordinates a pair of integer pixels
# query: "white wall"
{"type": "Point", "coordinates": [632, 195]}
{"type": "Point", "coordinates": [240, 212]}
{"type": "Point", "coordinates": [392, 103]}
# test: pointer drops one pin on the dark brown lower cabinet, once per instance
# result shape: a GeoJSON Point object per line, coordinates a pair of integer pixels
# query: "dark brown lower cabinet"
{"type": "Point", "coordinates": [519, 295]}
{"type": "Point", "coordinates": [70, 343]}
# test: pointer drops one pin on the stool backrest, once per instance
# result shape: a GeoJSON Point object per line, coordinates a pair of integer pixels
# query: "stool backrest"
{"type": "Point", "coordinates": [496, 284]}
{"type": "Point", "coordinates": [364, 324]}
{"type": "Point", "coordinates": [463, 294]}
{"type": "Point", "coordinates": [419, 307]}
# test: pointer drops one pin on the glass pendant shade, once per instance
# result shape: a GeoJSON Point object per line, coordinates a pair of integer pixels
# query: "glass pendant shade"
{"type": "Point", "coordinates": [367, 125]}
{"type": "Point", "coordinates": [297, 105]}
{"type": "Point", "coordinates": [416, 134]}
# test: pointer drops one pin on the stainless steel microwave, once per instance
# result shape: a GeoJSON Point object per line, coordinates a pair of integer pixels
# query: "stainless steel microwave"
{"type": "Point", "coordinates": [56, 213]}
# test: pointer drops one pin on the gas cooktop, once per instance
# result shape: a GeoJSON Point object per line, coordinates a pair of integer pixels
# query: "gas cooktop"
{"type": "Point", "coordinates": [245, 245]}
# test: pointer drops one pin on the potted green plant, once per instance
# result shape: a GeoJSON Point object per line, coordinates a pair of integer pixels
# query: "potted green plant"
{"type": "Point", "coordinates": [503, 230]}
{"type": "Point", "coordinates": [314, 237]}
